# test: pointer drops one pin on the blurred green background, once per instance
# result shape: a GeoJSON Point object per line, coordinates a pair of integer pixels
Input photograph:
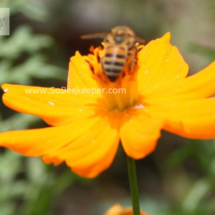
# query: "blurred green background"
{"type": "Point", "coordinates": [178, 178]}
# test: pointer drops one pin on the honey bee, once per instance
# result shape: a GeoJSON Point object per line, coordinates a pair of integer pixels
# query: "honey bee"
{"type": "Point", "coordinates": [119, 49]}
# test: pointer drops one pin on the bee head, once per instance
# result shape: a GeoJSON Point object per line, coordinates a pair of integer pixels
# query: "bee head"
{"type": "Point", "coordinates": [120, 33]}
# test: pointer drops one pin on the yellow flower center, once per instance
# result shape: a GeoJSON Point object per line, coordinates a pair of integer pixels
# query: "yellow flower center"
{"type": "Point", "coordinates": [119, 94]}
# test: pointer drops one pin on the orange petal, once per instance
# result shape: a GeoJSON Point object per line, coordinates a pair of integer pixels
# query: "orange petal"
{"type": "Point", "coordinates": [117, 209]}
{"type": "Point", "coordinates": [93, 152]}
{"type": "Point", "coordinates": [199, 85]}
{"type": "Point", "coordinates": [159, 62]}
{"type": "Point", "coordinates": [80, 74]}
{"type": "Point", "coordinates": [189, 118]}
{"type": "Point", "coordinates": [39, 142]}
{"type": "Point", "coordinates": [139, 133]}
{"type": "Point", "coordinates": [54, 105]}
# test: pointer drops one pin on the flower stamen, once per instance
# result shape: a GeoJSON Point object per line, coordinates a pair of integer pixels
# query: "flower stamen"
{"type": "Point", "coordinates": [125, 87]}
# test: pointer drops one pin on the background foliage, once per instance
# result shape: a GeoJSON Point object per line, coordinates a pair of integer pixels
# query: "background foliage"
{"type": "Point", "coordinates": [178, 178]}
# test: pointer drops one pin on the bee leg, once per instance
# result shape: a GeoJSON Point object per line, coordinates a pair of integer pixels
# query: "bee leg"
{"type": "Point", "coordinates": [91, 66]}
{"type": "Point", "coordinates": [98, 57]}
{"type": "Point", "coordinates": [132, 60]}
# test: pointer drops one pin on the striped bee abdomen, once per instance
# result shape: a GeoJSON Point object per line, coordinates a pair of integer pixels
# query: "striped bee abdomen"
{"type": "Point", "coordinates": [113, 61]}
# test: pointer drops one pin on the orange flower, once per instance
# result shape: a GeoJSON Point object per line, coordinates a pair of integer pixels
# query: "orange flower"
{"type": "Point", "coordinates": [119, 210]}
{"type": "Point", "coordinates": [86, 127]}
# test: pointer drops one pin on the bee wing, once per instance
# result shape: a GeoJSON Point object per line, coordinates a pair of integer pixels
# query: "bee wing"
{"type": "Point", "coordinates": [95, 35]}
{"type": "Point", "coordinates": [139, 39]}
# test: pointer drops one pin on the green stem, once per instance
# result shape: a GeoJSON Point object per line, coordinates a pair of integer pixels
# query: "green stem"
{"type": "Point", "coordinates": [133, 185]}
